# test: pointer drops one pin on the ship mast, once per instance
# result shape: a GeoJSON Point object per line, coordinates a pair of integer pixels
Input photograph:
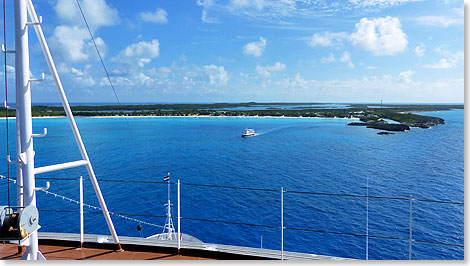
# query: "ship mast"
{"type": "Point", "coordinates": [25, 160]}
{"type": "Point", "coordinates": [168, 229]}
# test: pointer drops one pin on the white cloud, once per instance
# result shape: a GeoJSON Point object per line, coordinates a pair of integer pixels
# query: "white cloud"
{"type": "Point", "coordinates": [440, 21]}
{"type": "Point", "coordinates": [255, 49]}
{"type": "Point", "coordinates": [346, 58]}
{"type": "Point", "coordinates": [10, 69]}
{"type": "Point", "coordinates": [381, 36]}
{"type": "Point", "coordinates": [327, 38]}
{"type": "Point", "coordinates": [206, 6]}
{"type": "Point", "coordinates": [265, 71]}
{"type": "Point", "coordinates": [445, 63]}
{"type": "Point", "coordinates": [71, 39]}
{"type": "Point", "coordinates": [257, 4]}
{"type": "Point", "coordinates": [392, 88]}
{"type": "Point", "coordinates": [217, 74]}
{"type": "Point", "coordinates": [74, 44]}
{"type": "Point", "coordinates": [330, 59]}
{"type": "Point", "coordinates": [83, 77]}
{"type": "Point", "coordinates": [159, 16]}
{"type": "Point", "coordinates": [139, 53]}
{"type": "Point", "coordinates": [379, 3]}
{"type": "Point", "coordinates": [419, 50]}
{"type": "Point", "coordinates": [97, 12]}
{"type": "Point", "coordinates": [405, 76]}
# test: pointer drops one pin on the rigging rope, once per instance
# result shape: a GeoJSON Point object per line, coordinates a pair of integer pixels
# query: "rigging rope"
{"type": "Point", "coordinates": [90, 206]}
{"type": "Point", "coordinates": [106, 71]}
{"type": "Point", "coordinates": [6, 98]}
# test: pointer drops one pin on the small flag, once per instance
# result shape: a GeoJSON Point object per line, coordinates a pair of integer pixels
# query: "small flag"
{"type": "Point", "coordinates": [167, 178]}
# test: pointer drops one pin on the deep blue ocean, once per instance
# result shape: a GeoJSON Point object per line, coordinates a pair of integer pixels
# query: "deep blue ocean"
{"type": "Point", "coordinates": [299, 154]}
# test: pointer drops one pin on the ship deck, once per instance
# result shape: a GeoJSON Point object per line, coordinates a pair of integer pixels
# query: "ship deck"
{"type": "Point", "coordinates": [59, 246]}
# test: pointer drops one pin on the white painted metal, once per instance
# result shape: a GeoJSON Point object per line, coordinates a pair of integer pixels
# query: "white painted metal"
{"type": "Point", "coordinates": [282, 223]}
{"type": "Point", "coordinates": [81, 212]}
{"type": "Point", "coordinates": [60, 166]}
{"type": "Point", "coordinates": [7, 52]}
{"type": "Point", "coordinates": [168, 229]}
{"type": "Point", "coordinates": [35, 23]}
{"type": "Point", "coordinates": [46, 188]}
{"type": "Point", "coordinates": [38, 80]}
{"type": "Point", "coordinates": [25, 119]}
{"type": "Point", "coordinates": [19, 172]}
{"type": "Point", "coordinates": [41, 135]}
{"type": "Point", "coordinates": [411, 226]}
{"type": "Point", "coordinates": [68, 112]}
{"type": "Point", "coordinates": [367, 219]}
{"type": "Point", "coordinates": [179, 217]}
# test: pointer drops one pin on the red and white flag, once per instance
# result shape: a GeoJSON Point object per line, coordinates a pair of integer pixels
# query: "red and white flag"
{"type": "Point", "coordinates": [167, 178]}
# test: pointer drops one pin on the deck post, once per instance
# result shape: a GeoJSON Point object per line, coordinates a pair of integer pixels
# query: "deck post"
{"type": "Point", "coordinates": [411, 226]}
{"type": "Point", "coordinates": [282, 223]}
{"type": "Point", "coordinates": [81, 212]}
{"type": "Point", "coordinates": [179, 217]}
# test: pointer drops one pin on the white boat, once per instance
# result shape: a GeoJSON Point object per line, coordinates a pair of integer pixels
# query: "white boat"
{"type": "Point", "coordinates": [248, 132]}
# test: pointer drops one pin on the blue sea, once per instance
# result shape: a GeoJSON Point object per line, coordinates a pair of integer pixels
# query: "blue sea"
{"type": "Point", "coordinates": [298, 154]}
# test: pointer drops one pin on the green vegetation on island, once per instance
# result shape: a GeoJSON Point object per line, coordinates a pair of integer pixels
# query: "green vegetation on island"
{"type": "Point", "coordinates": [371, 115]}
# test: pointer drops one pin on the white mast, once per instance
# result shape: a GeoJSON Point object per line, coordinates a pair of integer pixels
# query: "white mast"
{"type": "Point", "coordinates": [23, 92]}
{"type": "Point", "coordinates": [26, 171]}
{"type": "Point", "coordinates": [168, 229]}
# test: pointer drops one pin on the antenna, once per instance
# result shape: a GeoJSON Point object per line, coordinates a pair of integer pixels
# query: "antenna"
{"type": "Point", "coordinates": [168, 229]}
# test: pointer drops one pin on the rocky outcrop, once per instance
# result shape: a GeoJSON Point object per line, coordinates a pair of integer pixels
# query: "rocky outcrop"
{"type": "Point", "coordinates": [382, 126]}
{"type": "Point", "coordinates": [389, 127]}
{"type": "Point", "coordinates": [385, 133]}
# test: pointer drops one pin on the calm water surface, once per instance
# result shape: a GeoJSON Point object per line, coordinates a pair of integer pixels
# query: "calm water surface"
{"type": "Point", "coordinates": [315, 155]}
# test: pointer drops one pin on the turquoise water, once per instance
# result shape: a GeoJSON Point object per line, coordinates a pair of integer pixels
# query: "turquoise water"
{"type": "Point", "coordinates": [299, 154]}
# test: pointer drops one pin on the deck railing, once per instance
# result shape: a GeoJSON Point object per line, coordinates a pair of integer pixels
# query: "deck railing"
{"type": "Point", "coordinates": [137, 218]}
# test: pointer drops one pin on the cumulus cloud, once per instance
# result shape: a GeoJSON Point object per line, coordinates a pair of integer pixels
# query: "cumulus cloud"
{"type": "Point", "coordinates": [405, 76]}
{"type": "Point", "coordinates": [83, 77]}
{"type": "Point", "coordinates": [330, 59]}
{"type": "Point", "coordinates": [391, 87]}
{"type": "Point", "coordinates": [98, 13]}
{"type": "Point", "coordinates": [346, 58]}
{"type": "Point", "coordinates": [217, 74]}
{"type": "Point", "coordinates": [159, 16]}
{"type": "Point", "coordinates": [71, 40]}
{"type": "Point", "coordinates": [327, 38]}
{"type": "Point", "coordinates": [381, 36]}
{"type": "Point", "coordinates": [265, 71]}
{"type": "Point", "coordinates": [450, 61]}
{"type": "Point", "coordinates": [419, 50]}
{"type": "Point", "coordinates": [139, 53]}
{"type": "Point", "coordinates": [74, 43]}
{"type": "Point", "coordinates": [255, 49]}
{"type": "Point", "coordinates": [440, 21]}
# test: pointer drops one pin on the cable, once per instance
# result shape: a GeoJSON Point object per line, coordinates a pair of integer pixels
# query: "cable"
{"type": "Point", "coordinates": [6, 99]}
{"type": "Point", "coordinates": [270, 226]}
{"type": "Point", "coordinates": [125, 216]}
{"type": "Point", "coordinates": [105, 70]}
{"type": "Point", "coordinates": [98, 208]}
{"type": "Point", "coordinates": [264, 189]}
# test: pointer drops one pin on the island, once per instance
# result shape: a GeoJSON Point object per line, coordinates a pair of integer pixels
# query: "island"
{"type": "Point", "coordinates": [370, 115]}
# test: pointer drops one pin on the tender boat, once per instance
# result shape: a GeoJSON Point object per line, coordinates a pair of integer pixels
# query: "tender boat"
{"type": "Point", "coordinates": [248, 133]}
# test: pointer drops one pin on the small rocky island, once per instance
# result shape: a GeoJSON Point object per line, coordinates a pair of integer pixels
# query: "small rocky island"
{"type": "Point", "coordinates": [405, 121]}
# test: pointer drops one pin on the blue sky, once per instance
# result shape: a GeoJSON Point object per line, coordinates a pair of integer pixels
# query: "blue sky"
{"type": "Point", "coordinates": [252, 50]}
